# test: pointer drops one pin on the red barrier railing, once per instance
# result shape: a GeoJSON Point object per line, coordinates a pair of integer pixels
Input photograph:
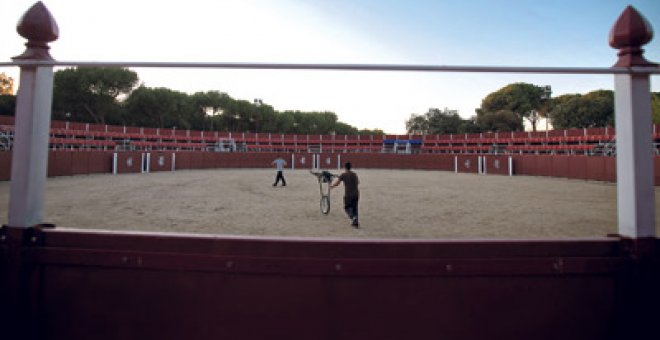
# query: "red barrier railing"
{"type": "Point", "coordinates": [68, 163]}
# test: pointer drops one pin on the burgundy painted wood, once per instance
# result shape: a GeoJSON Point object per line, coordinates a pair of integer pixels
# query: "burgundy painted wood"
{"type": "Point", "coordinates": [145, 285]}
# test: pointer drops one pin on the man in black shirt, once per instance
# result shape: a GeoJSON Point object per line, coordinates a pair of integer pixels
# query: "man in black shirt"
{"type": "Point", "coordinates": [351, 193]}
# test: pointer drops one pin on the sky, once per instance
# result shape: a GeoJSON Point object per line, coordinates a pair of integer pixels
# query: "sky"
{"type": "Point", "coordinates": [561, 33]}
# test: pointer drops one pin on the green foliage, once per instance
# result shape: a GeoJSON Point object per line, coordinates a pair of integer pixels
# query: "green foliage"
{"type": "Point", "coordinates": [161, 108]}
{"type": "Point", "coordinates": [7, 104]}
{"type": "Point", "coordinates": [437, 121]}
{"type": "Point", "coordinates": [501, 120]}
{"type": "Point", "coordinates": [523, 99]}
{"type": "Point", "coordinates": [91, 94]}
{"type": "Point", "coordinates": [107, 96]}
{"type": "Point", "coordinates": [655, 107]}
{"type": "Point", "coordinates": [373, 132]}
{"type": "Point", "coordinates": [469, 126]}
{"type": "Point", "coordinates": [594, 109]}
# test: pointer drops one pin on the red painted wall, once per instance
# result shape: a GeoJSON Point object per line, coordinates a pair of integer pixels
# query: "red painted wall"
{"type": "Point", "coordinates": [60, 163]}
{"type": "Point", "coordinates": [468, 163]}
{"type": "Point", "coordinates": [160, 161]}
{"type": "Point", "coordinates": [496, 165]}
{"type": "Point", "coordinates": [67, 163]}
{"type": "Point", "coordinates": [155, 286]}
{"type": "Point", "coordinates": [5, 164]}
{"type": "Point", "coordinates": [129, 162]}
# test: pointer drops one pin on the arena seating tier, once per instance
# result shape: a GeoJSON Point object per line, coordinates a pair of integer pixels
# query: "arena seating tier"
{"type": "Point", "coordinates": [83, 136]}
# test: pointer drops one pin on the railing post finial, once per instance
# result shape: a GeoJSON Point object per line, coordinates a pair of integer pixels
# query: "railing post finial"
{"type": "Point", "coordinates": [39, 27]}
{"type": "Point", "coordinates": [630, 32]}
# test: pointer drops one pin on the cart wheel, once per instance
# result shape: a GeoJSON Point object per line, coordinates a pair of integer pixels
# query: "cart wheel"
{"type": "Point", "coordinates": [325, 204]}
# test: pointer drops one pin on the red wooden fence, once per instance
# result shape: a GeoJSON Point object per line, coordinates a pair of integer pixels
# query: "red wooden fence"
{"type": "Point", "coordinates": [68, 163]}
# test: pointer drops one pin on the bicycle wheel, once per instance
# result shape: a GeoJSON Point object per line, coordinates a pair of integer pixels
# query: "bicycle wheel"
{"type": "Point", "coordinates": [325, 204]}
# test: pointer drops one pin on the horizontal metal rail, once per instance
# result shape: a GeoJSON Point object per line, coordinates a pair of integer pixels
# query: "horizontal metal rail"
{"type": "Point", "coordinates": [345, 67]}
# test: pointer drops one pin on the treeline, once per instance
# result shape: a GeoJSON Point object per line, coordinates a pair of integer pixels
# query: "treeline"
{"type": "Point", "coordinates": [114, 96]}
{"type": "Point", "coordinates": [507, 109]}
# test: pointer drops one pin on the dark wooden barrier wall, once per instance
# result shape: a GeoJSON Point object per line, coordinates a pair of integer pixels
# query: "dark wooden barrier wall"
{"type": "Point", "coordinates": [571, 166]}
{"type": "Point", "coordinates": [5, 165]}
{"type": "Point", "coordinates": [68, 163]}
{"type": "Point", "coordinates": [81, 285]}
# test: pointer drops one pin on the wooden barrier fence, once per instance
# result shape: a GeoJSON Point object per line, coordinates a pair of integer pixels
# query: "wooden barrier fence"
{"type": "Point", "coordinates": [105, 285]}
{"type": "Point", "coordinates": [69, 163]}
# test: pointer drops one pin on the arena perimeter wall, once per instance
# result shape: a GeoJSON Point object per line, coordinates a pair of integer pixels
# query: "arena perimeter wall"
{"type": "Point", "coordinates": [69, 163]}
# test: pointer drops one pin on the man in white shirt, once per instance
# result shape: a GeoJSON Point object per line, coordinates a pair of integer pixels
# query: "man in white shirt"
{"type": "Point", "coordinates": [280, 164]}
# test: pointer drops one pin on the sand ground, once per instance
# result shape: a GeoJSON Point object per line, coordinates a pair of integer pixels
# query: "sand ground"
{"type": "Point", "coordinates": [394, 204]}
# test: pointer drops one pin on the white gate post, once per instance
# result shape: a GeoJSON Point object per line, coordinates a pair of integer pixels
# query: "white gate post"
{"type": "Point", "coordinates": [634, 161]}
{"type": "Point", "coordinates": [33, 110]}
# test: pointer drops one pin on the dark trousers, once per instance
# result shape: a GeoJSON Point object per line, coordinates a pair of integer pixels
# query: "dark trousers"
{"type": "Point", "coordinates": [278, 178]}
{"type": "Point", "coordinates": [351, 207]}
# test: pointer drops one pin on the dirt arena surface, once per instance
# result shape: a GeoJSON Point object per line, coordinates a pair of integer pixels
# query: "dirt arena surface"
{"type": "Point", "coordinates": [394, 204]}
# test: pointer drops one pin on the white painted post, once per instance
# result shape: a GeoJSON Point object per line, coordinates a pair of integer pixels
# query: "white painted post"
{"type": "Point", "coordinates": [146, 162]}
{"type": "Point", "coordinates": [30, 151]}
{"type": "Point", "coordinates": [632, 104]}
{"type": "Point", "coordinates": [634, 161]}
{"type": "Point", "coordinates": [33, 111]}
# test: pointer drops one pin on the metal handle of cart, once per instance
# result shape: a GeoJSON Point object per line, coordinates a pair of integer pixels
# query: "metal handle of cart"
{"type": "Point", "coordinates": [325, 179]}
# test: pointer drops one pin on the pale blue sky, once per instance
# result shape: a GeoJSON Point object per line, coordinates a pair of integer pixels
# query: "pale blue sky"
{"type": "Point", "coordinates": [472, 32]}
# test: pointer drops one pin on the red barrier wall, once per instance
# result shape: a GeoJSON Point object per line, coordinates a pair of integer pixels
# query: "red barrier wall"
{"type": "Point", "coordinates": [100, 162]}
{"type": "Point", "coordinates": [392, 161]}
{"type": "Point", "coordinates": [182, 161]}
{"type": "Point", "coordinates": [155, 286]}
{"type": "Point", "coordinates": [302, 161]}
{"type": "Point", "coordinates": [79, 163]}
{"type": "Point", "coordinates": [6, 120]}
{"type": "Point", "coordinates": [571, 166]}
{"type": "Point", "coordinates": [67, 163]}
{"type": "Point", "coordinates": [5, 165]}
{"type": "Point", "coordinates": [328, 161]}
{"type": "Point", "coordinates": [468, 163]}
{"type": "Point", "coordinates": [498, 165]}
{"type": "Point", "coordinates": [160, 161]}
{"type": "Point", "coordinates": [60, 163]}
{"type": "Point", "coordinates": [129, 162]}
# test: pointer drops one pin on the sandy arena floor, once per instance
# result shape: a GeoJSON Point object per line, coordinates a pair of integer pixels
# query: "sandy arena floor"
{"type": "Point", "coordinates": [393, 204]}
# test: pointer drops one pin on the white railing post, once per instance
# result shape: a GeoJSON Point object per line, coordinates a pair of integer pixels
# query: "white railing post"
{"type": "Point", "coordinates": [635, 176]}
{"type": "Point", "coordinates": [33, 110]}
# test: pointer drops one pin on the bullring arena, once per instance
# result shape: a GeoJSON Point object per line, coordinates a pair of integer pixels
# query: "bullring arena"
{"type": "Point", "coordinates": [493, 235]}
{"type": "Point", "coordinates": [394, 204]}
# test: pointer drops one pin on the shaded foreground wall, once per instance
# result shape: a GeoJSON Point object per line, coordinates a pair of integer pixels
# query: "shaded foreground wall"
{"type": "Point", "coordinates": [68, 163]}
{"type": "Point", "coordinates": [83, 285]}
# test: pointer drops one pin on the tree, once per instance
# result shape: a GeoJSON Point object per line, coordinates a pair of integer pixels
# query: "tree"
{"type": "Point", "coordinates": [501, 120]}
{"type": "Point", "coordinates": [594, 109]}
{"type": "Point", "coordinates": [210, 108]}
{"type": "Point", "coordinates": [525, 100]}
{"type": "Point", "coordinates": [469, 126]}
{"type": "Point", "coordinates": [6, 84]}
{"type": "Point", "coordinates": [91, 94]}
{"type": "Point", "coordinates": [655, 107]}
{"type": "Point", "coordinates": [7, 104]}
{"type": "Point", "coordinates": [160, 107]}
{"type": "Point", "coordinates": [417, 124]}
{"type": "Point", "coordinates": [435, 121]}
